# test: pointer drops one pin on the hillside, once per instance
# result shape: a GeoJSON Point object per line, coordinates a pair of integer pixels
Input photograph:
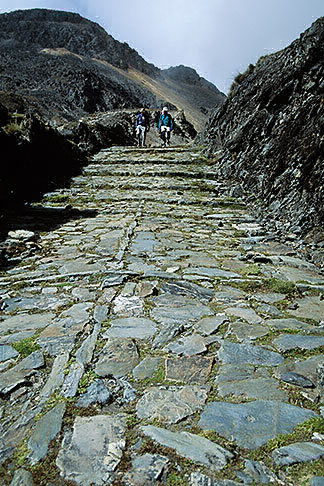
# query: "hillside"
{"type": "Point", "coordinates": [65, 66]}
{"type": "Point", "coordinates": [269, 135]}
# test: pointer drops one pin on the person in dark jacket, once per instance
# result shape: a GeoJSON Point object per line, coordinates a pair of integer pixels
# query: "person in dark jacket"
{"type": "Point", "coordinates": [142, 126]}
{"type": "Point", "coordinates": [165, 126]}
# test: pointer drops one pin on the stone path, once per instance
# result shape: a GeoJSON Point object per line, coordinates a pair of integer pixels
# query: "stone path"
{"type": "Point", "coordinates": [165, 338]}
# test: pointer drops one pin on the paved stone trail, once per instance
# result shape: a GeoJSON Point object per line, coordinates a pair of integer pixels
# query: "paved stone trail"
{"type": "Point", "coordinates": [164, 338]}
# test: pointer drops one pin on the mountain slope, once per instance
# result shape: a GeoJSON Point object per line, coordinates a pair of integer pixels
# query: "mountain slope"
{"type": "Point", "coordinates": [66, 66]}
{"type": "Point", "coordinates": [269, 135]}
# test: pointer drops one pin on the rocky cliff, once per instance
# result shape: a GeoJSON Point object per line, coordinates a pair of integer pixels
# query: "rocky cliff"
{"type": "Point", "coordinates": [269, 135]}
{"type": "Point", "coordinates": [35, 158]}
{"type": "Point", "coordinates": [65, 67]}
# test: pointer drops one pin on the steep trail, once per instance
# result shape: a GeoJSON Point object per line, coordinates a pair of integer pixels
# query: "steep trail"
{"type": "Point", "coordinates": [159, 337]}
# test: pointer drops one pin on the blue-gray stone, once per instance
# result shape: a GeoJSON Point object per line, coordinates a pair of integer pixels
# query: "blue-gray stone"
{"type": "Point", "coordinates": [252, 424]}
{"type": "Point", "coordinates": [46, 430]}
{"type": "Point", "coordinates": [188, 288]}
{"type": "Point", "coordinates": [194, 447]}
{"type": "Point", "coordinates": [235, 353]}
{"type": "Point", "coordinates": [7, 352]}
{"type": "Point", "coordinates": [256, 473]}
{"type": "Point", "coordinates": [296, 379]}
{"type": "Point", "coordinates": [198, 479]}
{"type": "Point", "coordinates": [317, 481]}
{"type": "Point", "coordinates": [298, 452]}
{"type": "Point", "coordinates": [97, 392]}
{"type": "Point", "coordinates": [22, 478]}
{"type": "Point", "coordinates": [292, 341]}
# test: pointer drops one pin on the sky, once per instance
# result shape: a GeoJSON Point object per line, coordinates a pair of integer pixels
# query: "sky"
{"type": "Point", "coordinates": [218, 38]}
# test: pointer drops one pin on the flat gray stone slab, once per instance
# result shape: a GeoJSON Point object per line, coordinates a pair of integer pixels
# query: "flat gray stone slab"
{"type": "Point", "coordinates": [252, 424]}
{"type": "Point", "coordinates": [19, 373]}
{"type": "Point", "coordinates": [79, 313]}
{"type": "Point", "coordinates": [100, 313]}
{"type": "Point", "coordinates": [22, 478]}
{"type": "Point", "coordinates": [191, 370]}
{"type": "Point", "coordinates": [16, 337]}
{"type": "Point", "coordinates": [210, 272]}
{"type": "Point", "coordinates": [307, 368]}
{"type": "Point", "coordinates": [310, 307]}
{"type": "Point", "coordinates": [118, 357]}
{"type": "Point", "coordinates": [178, 309]}
{"type": "Point", "coordinates": [297, 275]}
{"type": "Point", "coordinates": [7, 352]}
{"type": "Point", "coordinates": [256, 472]}
{"type": "Point", "coordinates": [244, 331]}
{"type": "Point", "coordinates": [56, 376]}
{"type": "Point", "coordinates": [79, 266]}
{"type": "Point", "coordinates": [146, 368]}
{"type": "Point", "coordinates": [296, 379]}
{"type": "Point", "coordinates": [168, 332]}
{"type": "Point", "coordinates": [146, 470]}
{"type": "Point", "coordinates": [288, 324]}
{"type": "Point", "coordinates": [46, 430]}
{"type": "Point", "coordinates": [298, 452]}
{"type": "Point", "coordinates": [132, 327]}
{"type": "Point", "coordinates": [72, 379]}
{"type": "Point", "coordinates": [24, 322]}
{"type": "Point", "coordinates": [230, 372]}
{"type": "Point", "coordinates": [236, 353]}
{"type": "Point", "coordinates": [208, 325]}
{"type": "Point", "coordinates": [317, 481]}
{"type": "Point", "coordinates": [245, 313]}
{"type": "Point", "coordinates": [128, 306]}
{"type": "Point", "coordinates": [194, 447]}
{"type": "Point", "coordinates": [187, 346]}
{"type": "Point", "coordinates": [113, 279]}
{"type": "Point", "coordinates": [97, 392]}
{"type": "Point", "coordinates": [190, 289]}
{"type": "Point", "coordinates": [229, 295]}
{"type": "Point", "coordinates": [171, 404]}
{"type": "Point", "coordinates": [293, 341]}
{"type": "Point", "coordinates": [90, 455]}
{"type": "Point", "coordinates": [269, 298]}
{"type": "Point", "coordinates": [198, 479]}
{"type": "Point", "coordinates": [258, 388]}
{"type": "Point", "coordinates": [85, 352]}
{"type": "Point", "coordinates": [268, 309]}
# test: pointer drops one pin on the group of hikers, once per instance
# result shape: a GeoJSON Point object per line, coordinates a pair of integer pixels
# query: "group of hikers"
{"type": "Point", "coordinates": [164, 123]}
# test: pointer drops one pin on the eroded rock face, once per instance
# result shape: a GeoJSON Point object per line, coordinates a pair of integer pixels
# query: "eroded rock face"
{"type": "Point", "coordinates": [27, 143]}
{"type": "Point", "coordinates": [268, 136]}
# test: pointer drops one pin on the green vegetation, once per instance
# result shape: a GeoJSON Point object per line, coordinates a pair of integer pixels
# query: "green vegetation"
{"type": "Point", "coordinates": [176, 480]}
{"type": "Point", "coordinates": [86, 380]}
{"type": "Point", "coordinates": [16, 124]}
{"type": "Point", "coordinates": [26, 346]}
{"type": "Point", "coordinates": [251, 269]}
{"type": "Point", "coordinates": [21, 453]}
{"type": "Point", "coordinates": [58, 198]}
{"type": "Point", "coordinates": [302, 432]}
{"type": "Point", "coordinates": [280, 286]}
{"type": "Point", "coordinates": [239, 78]}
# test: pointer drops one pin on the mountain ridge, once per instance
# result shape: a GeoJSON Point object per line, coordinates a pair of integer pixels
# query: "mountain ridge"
{"type": "Point", "coordinates": [71, 65]}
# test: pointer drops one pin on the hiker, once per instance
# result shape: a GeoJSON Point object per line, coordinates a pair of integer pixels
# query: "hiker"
{"type": "Point", "coordinates": [165, 126]}
{"type": "Point", "coordinates": [142, 126]}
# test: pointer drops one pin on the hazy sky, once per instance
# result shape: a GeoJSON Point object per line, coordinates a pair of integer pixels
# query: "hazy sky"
{"type": "Point", "coordinates": [219, 38]}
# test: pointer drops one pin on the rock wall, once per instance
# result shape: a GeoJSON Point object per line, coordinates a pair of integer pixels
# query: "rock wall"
{"type": "Point", "coordinates": [269, 134]}
{"type": "Point", "coordinates": [35, 158]}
